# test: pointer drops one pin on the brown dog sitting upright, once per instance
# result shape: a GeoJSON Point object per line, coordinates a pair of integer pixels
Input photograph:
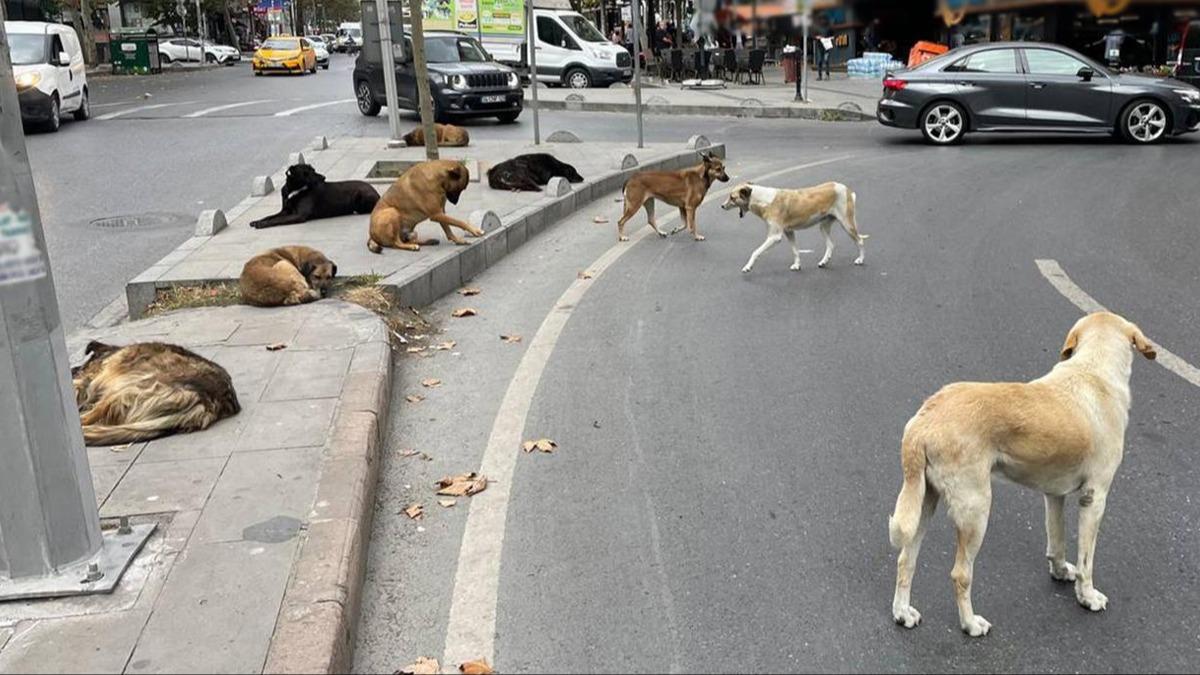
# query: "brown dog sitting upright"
{"type": "Point", "coordinates": [289, 275]}
{"type": "Point", "coordinates": [148, 390]}
{"type": "Point", "coordinates": [448, 136]}
{"type": "Point", "coordinates": [683, 189]}
{"type": "Point", "coordinates": [420, 194]}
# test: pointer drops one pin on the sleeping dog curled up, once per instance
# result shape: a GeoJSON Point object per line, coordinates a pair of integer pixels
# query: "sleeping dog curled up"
{"type": "Point", "coordinates": [448, 136]}
{"type": "Point", "coordinates": [147, 390]}
{"type": "Point", "coordinates": [288, 275]}
{"type": "Point", "coordinates": [530, 172]}
{"type": "Point", "coordinates": [308, 196]}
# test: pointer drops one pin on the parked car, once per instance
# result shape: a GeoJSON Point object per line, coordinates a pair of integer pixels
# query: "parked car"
{"type": "Point", "coordinates": [322, 50]}
{"type": "Point", "coordinates": [570, 51]}
{"type": "Point", "coordinates": [1187, 64]}
{"type": "Point", "coordinates": [189, 49]}
{"type": "Point", "coordinates": [349, 38]}
{"type": "Point", "coordinates": [286, 54]}
{"type": "Point", "coordinates": [49, 71]}
{"type": "Point", "coordinates": [1034, 87]}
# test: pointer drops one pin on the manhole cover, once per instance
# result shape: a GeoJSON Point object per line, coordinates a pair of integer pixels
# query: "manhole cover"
{"type": "Point", "coordinates": [142, 221]}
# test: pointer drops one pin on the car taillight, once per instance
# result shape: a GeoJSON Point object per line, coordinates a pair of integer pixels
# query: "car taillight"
{"type": "Point", "coordinates": [894, 84]}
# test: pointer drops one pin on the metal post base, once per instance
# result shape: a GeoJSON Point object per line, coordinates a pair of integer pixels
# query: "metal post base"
{"type": "Point", "coordinates": [98, 575]}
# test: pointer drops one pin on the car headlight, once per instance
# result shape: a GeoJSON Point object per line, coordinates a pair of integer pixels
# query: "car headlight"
{"type": "Point", "coordinates": [514, 80]}
{"type": "Point", "coordinates": [1189, 95]}
{"type": "Point", "coordinates": [600, 54]}
{"type": "Point", "coordinates": [28, 80]}
{"type": "Point", "coordinates": [458, 82]}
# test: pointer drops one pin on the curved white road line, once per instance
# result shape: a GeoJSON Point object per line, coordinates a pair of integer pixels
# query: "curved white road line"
{"type": "Point", "coordinates": [230, 106]}
{"type": "Point", "coordinates": [293, 111]}
{"type": "Point", "coordinates": [140, 108]}
{"type": "Point", "coordinates": [470, 633]}
{"type": "Point", "coordinates": [1058, 278]}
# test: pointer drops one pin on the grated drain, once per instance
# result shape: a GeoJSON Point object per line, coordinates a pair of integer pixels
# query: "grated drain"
{"type": "Point", "coordinates": [142, 221]}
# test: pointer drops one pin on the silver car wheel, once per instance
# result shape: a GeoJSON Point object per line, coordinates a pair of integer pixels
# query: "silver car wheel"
{"type": "Point", "coordinates": [579, 80]}
{"type": "Point", "coordinates": [944, 124]}
{"type": "Point", "coordinates": [1147, 122]}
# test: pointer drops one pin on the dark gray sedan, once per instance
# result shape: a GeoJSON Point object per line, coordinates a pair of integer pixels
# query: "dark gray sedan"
{"type": "Point", "coordinates": [1028, 87]}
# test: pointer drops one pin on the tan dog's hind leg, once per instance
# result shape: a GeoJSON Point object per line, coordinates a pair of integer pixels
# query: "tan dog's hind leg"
{"type": "Point", "coordinates": [297, 289]}
{"type": "Point", "coordinates": [1091, 511]}
{"type": "Point", "coordinates": [849, 223]}
{"type": "Point", "coordinates": [1056, 540]}
{"type": "Point", "coordinates": [906, 566]}
{"type": "Point", "coordinates": [969, 498]}
{"type": "Point", "coordinates": [791, 237]}
{"type": "Point", "coordinates": [826, 226]}
{"type": "Point", "coordinates": [634, 199]}
{"type": "Point", "coordinates": [649, 205]}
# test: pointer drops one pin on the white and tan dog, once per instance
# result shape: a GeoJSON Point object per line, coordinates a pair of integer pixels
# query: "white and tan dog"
{"type": "Point", "coordinates": [1061, 433]}
{"type": "Point", "coordinates": [786, 211]}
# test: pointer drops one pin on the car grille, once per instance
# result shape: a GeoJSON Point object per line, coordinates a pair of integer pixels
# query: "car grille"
{"type": "Point", "coordinates": [487, 80]}
{"type": "Point", "coordinates": [624, 60]}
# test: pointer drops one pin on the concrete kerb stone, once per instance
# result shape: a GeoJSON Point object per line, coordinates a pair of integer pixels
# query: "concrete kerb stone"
{"type": "Point", "coordinates": [319, 143]}
{"type": "Point", "coordinates": [484, 220]}
{"type": "Point", "coordinates": [262, 186]}
{"type": "Point", "coordinates": [628, 161]}
{"type": "Point", "coordinates": [210, 222]}
{"type": "Point", "coordinates": [771, 111]}
{"type": "Point", "coordinates": [296, 158]}
{"type": "Point", "coordinates": [563, 137]}
{"type": "Point", "coordinates": [574, 102]}
{"type": "Point", "coordinates": [698, 142]}
{"type": "Point", "coordinates": [558, 186]}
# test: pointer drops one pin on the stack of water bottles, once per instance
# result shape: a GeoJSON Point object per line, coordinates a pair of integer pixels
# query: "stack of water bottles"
{"type": "Point", "coordinates": [872, 65]}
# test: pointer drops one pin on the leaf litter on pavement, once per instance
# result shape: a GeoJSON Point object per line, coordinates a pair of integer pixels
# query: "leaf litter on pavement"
{"type": "Point", "coordinates": [511, 338]}
{"type": "Point", "coordinates": [414, 398]}
{"type": "Point", "coordinates": [477, 667]}
{"type": "Point", "coordinates": [543, 445]}
{"type": "Point", "coordinates": [464, 485]}
{"type": "Point", "coordinates": [431, 382]}
{"type": "Point", "coordinates": [462, 312]}
{"type": "Point", "coordinates": [422, 666]}
{"type": "Point", "coordinates": [415, 511]}
{"type": "Point", "coordinates": [469, 291]}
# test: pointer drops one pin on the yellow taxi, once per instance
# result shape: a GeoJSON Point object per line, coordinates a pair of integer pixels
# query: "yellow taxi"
{"type": "Point", "coordinates": [285, 54]}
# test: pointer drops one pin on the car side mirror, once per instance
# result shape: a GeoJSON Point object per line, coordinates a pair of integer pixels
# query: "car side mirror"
{"type": "Point", "coordinates": [64, 59]}
{"type": "Point", "coordinates": [1086, 74]}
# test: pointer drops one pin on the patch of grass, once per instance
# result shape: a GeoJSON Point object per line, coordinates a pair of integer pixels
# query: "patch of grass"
{"type": "Point", "coordinates": [186, 297]}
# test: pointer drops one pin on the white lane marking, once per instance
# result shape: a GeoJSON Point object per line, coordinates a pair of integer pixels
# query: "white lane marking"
{"type": "Point", "coordinates": [140, 108]}
{"type": "Point", "coordinates": [293, 111]}
{"type": "Point", "coordinates": [1058, 278]}
{"type": "Point", "coordinates": [470, 632]}
{"type": "Point", "coordinates": [230, 106]}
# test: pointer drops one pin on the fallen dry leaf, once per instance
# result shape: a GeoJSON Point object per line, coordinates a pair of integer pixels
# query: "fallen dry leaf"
{"type": "Point", "coordinates": [415, 350]}
{"type": "Point", "coordinates": [444, 346]}
{"type": "Point", "coordinates": [276, 347]}
{"type": "Point", "coordinates": [409, 452]}
{"type": "Point", "coordinates": [585, 275]}
{"type": "Point", "coordinates": [479, 667]}
{"type": "Point", "coordinates": [470, 290]}
{"type": "Point", "coordinates": [414, 398]}
{"type": "Point", "coordinates": [447, 503]}
{"type": "Point", "coordinates": [466, 485]}
{"type": "Point", "coordinates": [120, 448]}
{"type": "Point", "coordinates": [463, 312]}
{"type": "Point", "coordinates": [511, 338]}
{"type": "Point", "coordinates": [431, 382]}
{"type": "Point", "coordinates": [599, 220]}
{"type": "Point", "coordinates": [541, 445]}
{"type": "Point", "coordinates": [423, 666]}
{"type": "Point", "coordinates": [415, 512]}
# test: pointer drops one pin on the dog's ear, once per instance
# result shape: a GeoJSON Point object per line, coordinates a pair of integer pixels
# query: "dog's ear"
{"type": "Point", "coordinates": [98, 348]}
{"type": "Point", "coordinates": [1069, 347]}
{"type": "Point", "coordinates": [455, 173]}
{"type": "Point", "coordinates": [333, 270]}
{"type": "Point", "coordinates": [1140, 343]}
{"type": "Point", "coordinates": [306, 269]}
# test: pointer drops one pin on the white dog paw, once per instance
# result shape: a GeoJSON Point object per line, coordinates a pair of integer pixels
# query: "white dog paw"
{"type": "Point", "coordinates": [746, 269]}
{"type": "Point", "coordinates": [906, 616]}
{"type": "Point", "coordinates": [1092, 599]}
{"type": "Point", "coordinates": [858, 261]}
{"type": "Point", "coordinates": [622, 238]}
{"type": "Point", "coordinates": [661, 234]}
{"type": "Point", "coordinates": [823, 264]}
{"type": "Point", "coordinates": [699, 237]}
{"type": "Point", "coordinates": [1065, 572]}
{"type": "Point", "coordinates": [796, 267]}
{"type": "Point", "coordinates": [976, 626]}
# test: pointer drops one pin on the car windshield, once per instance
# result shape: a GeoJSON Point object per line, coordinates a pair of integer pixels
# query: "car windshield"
{"type": "Point", "coordinates": [583, 28]}
{"type": "Point", "coordinates": [281, 45]}
{"type": "Point", "coordinates": [27, 48]}
{"type": "Point", "coordinates": [453, 50]}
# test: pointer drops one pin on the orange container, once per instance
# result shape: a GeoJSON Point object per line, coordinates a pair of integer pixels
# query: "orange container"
{"type": "Point", "coordinates": [923, 51]}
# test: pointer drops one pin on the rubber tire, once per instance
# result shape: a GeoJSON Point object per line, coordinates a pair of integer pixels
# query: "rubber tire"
{"type": "Point", "coordinates": [209, 58]}
{"type": "Point", "coordinates": [568, 78]}
{"type": "Point", "coordinates": [53, 124]}
{"type": "Point", "coordinates": [363, 97]}
{"type": "Point", "coordinates": [325, 67]}
{"type": "Point", "coordinates": [508, 117]}
{"type": "Point", "coordinates": [84, 112]}
{"type": "Point", "coordinates": [257, 72]}
{"type": "Point", "coordinates": [165, 59]}
{"type": "Point", "coordinates": [1123, 123]}
{"type": "Point", "coordinates": [962, 114]}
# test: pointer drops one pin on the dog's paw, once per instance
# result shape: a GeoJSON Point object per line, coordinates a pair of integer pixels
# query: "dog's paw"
{"type": "Point", "coordinates": [858, 261]}
{"type": "Point", "coordinates": [906, 616]}
{"type": "Point", "coordinates": [796, 267]}
{"type": "Point", "coordinates": [1093, 599]}
{"type": "Point", "coordinates": [461, 242]}
{"type": "Point", "coordinates": [746, 269]}
{"type": "Point", "coordinates": [698, 237]}
{"type": "Point", "coordinates": [622, 238]}
{"type": "Point", "coordinates": [477, 233]}
{"type": "Point", "coordinates": [823, 264]}
{"type": "Point", "coordinates": [256, 225]}
{"type": "Point", "coordinates": [661, 233]}
{"type": "Point", "coordinates": [1065, 572]}
{"type": "Point", "coordinates": [976, 626]}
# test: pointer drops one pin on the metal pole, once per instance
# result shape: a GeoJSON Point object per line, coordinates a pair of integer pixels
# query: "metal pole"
{"type": "Point", "coordinates": [802, 76]}
{"type": "Point", "coordinates": [387, 61]}
{"type": "Point", "coordinates": [50, 538]}
{"type": "Point", "coordinates": [531, 52]}
{"type": "Point", "coordinates": [636, 9]}
{"type": "Point", "coordinates": [422, 75]}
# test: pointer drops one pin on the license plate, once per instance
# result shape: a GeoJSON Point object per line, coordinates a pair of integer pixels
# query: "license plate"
{"type": "Point", "coordinates": [491, 99]}
{"type": "Point", "coordinates": [627, 71]}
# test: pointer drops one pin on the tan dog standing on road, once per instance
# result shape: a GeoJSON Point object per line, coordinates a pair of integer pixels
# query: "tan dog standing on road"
{"type": "Point", "coordinates": [448, 136]}
{"type": "Point", "coordinates": [1061, 433]}
{"type": "Point", "coordinates": [289, 275]}
{"type": "Point", "coordinates": [683, 189]}
{"type": "Point", "coordinates": [420, 194]}
{"type": "Point", "coordinates": [786, 211]}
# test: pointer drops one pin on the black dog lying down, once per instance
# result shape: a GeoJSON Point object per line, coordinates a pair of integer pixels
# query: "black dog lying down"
{"type": "Point", "coordinates": [530, 172]}
{"type": "Point", "coordinates": [307, 196]}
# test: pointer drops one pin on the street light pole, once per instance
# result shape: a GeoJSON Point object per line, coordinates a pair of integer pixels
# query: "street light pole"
{"type": "Point", "coordinates": [387, 61]}
{"type": "Point", "coordinates": [531, 52]}
{"type": "Point", "coordinates": [50, 538]}
{"type": "Point", "coordinates": [422, 75]}
{"type": "Point", "coordinates": [636, 9]}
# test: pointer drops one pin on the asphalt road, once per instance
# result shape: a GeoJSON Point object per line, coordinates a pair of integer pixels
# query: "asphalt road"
{"type": "Point", "coordinates": [729, 444]}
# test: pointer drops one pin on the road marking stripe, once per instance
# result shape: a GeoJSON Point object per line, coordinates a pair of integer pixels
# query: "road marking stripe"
{"type": "Point", "coordinates": [293, 111]}
{"type": "Point", "coordinates": [202, 113]}
{"type": "Point", "coordinates": [1058, 278]}
{"type": "Point", "coordinates": [470, 633]}
{"type": "Point", "coordinates": [141, 108]}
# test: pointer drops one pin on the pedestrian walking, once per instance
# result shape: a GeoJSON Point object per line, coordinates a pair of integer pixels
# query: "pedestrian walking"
{"type": "Point", "coordinates": [823, 54]}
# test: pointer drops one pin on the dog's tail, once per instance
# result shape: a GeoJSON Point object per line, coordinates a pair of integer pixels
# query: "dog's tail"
{"type": "Point", "coordinates": [852, 210]}
{"type": "Point", "coordinates": [145, 430]}
{"type": "Point", "coordinates": [373, 246]}
{"type": "Point", "coordinates": [904, 521]}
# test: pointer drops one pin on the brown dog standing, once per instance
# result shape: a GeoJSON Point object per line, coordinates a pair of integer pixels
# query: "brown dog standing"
{"type": "Point", "coordinates": [683, 189]}
{"type": "Point", "coordinates": [448, 136]}
{"type": "Point", "coordinates": [420, 194]}
{"type": "Point", "coordinates": [289, 275]}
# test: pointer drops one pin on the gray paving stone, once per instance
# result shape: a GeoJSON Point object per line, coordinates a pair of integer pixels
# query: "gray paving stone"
{"type": "Point", "coordinates": [308, 375]}
{"type": "Point", "coordinates": [256, 487]}
{"type": "Point", "coordinates": [210, 616]}
{"type": "Point", "coordinates": [158, 487]}
{"type": "Point", "coordinates": [84, 644]}
{"type": "Point", "coordinates": [104, 479]}
{"type": "Point", "coordinates": [114, 455]}
{"type": "Point", "coordinates": [266, 333]}
{"type": "Point", "coordinates": [250, 367]}
{"type": "Point", "coordinates": [288, 424]}
{"type": "Point", "coordinates": [217, 441]}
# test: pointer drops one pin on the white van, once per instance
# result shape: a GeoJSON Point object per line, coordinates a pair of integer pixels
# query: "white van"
{"type": "Point", "coordinates": [570, 51]}
{"type": "Point", "coordinates": [349, 38]}
{"type": "Point", "coordinates": [50, 73]}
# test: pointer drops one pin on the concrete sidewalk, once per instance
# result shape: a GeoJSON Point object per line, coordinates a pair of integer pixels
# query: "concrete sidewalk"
{"type": "Point", "coordinates": [257, 560]}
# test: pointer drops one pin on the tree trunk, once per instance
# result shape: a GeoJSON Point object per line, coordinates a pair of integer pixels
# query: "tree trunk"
{"type": "Point", "coordinates": [425, 103]}
{"type": "Point", "coordinates": [230, 34]}
{"type": "Point", "coordinates": [83, 26]}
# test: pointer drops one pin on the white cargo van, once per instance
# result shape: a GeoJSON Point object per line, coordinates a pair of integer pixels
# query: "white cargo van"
{"type": "Point", "coordinates": [570, 51]}
{"type": "Point", "coordinates": [349, 38]}
{"type": "Point", "coordinates": [49, 71]}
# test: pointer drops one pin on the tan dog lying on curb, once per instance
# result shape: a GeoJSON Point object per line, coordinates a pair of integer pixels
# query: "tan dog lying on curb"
{"type": "Point", "coordinates": [289, 275]}
{"type": "Point", "coordinates": [786, 211]}
{"type": "Point", "coordinates": [448, 136]}
{"type": "Point", "coordinates": [420, 194]}
{"type": "Point", "coordinates": [148, 390]}
{"type": "Point", "coordinates": [1061, 433]}
{"type": "Point", "coordinates": [683, 189]}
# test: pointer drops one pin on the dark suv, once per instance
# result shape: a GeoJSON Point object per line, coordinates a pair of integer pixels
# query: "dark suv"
{"type": "Point", "coordinates": [464, 81]}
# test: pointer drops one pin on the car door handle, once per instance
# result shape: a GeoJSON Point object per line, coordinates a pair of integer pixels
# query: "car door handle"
{"type": "Point", "coordinates": [1038, 85]}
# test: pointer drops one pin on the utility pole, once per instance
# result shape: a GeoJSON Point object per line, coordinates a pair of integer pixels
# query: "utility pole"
{"type": "Point", "coordinates": [387, 61]}
{"type": "Point", "coordinates": [531, 52]}
{"type": "Point", "coordinates": [50, 539]}
{"type": "Point", "coordinates": [636, 9]}
{"type": "Point", "coordinates": [422, 75]}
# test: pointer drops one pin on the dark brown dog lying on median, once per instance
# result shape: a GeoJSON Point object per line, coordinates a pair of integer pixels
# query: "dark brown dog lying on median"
{"type": "Point", "coordinates": [308, 196]}
{"type": "Point", "coordinates": [448, 136]}
{"type": "Point", "coordinates": [289, 275]}
{"type": "Point", "coordinates": [417, 195]}
{"type": "Point", "coordinates": [530, 172]}
{"type": "Point", "coordinates": [148, 390]}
